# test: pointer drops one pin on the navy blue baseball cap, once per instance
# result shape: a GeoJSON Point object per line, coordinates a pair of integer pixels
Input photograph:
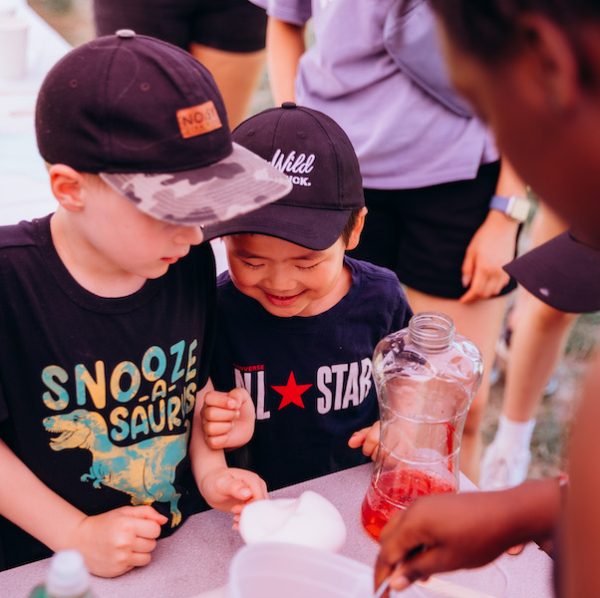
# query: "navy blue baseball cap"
{"type": "Point", "coordinates": [317, 156]}
{"type": "Point", "coordinates": [149, 119]}
{"type": "Point", "coordinates": [563, 273]}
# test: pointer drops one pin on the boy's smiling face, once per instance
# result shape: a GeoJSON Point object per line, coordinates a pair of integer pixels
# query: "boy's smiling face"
{"type": "Point", "coordinates": [285, 278]}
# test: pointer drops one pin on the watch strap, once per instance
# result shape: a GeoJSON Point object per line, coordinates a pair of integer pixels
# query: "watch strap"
{"type": "Point", "coordinates": [500, 203]}
{"type": "Point", "coordinates": [514, 207]}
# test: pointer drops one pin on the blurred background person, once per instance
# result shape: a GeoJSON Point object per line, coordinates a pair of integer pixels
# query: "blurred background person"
{"type": "Point", "coordinates": [226, 36]}
{"type": "Point", "coordinates": [532, 346]}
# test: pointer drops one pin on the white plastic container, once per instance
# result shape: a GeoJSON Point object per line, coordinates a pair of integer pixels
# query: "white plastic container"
{"type": "Point", "coordinates": [277, 570]}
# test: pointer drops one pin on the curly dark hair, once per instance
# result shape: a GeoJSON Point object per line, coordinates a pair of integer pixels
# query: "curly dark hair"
{"type": "Point", "coordinates": [490, 29]}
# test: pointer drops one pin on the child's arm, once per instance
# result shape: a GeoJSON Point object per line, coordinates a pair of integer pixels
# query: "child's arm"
{"type": "Point", "coordinates": [111, 543]}
{"type": "Point", "coordinates": [368, 439]}
{"type": "Point", "coordinates": [285, 46]}
{"type": "Point", "coordinates": [227, 417]}
{"type": "Point", "coordinates": [224, 488]}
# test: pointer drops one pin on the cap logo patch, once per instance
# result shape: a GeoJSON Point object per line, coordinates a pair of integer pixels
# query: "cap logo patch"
{"type": "Point", "coordinates": [294, 165]}
{"type": "Point", "coordinates": [198, 120]}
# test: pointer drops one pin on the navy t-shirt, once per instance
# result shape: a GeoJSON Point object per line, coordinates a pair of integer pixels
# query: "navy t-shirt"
{"type": "Point", "coordinates": [97, 394]}
{"type": "Point", "coordinates": [309, 377]}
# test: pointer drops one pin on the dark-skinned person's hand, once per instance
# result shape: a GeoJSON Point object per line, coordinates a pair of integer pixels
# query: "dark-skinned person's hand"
{"type": "Point", "coordinates": [446, 532]}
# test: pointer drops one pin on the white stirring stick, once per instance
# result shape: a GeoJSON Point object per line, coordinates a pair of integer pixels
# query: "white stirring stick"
{"type": "Point", "coordinates": [383, 587]}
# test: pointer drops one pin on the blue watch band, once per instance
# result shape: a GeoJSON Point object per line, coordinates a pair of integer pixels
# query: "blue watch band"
{"type": "Point", "coordinates": [514, 207]}
{"type": "Point", "coordinates": [500, 203]}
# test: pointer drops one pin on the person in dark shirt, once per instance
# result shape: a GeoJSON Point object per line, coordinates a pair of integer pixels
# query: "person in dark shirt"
{"type": "Point", "coordinates": [297, 319]}
{"type": "Point", "coordinates": [107, 308]}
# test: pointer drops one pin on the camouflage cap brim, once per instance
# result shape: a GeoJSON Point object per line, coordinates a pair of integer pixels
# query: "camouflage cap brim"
{"type": "Point", "coordinates": [206, 196]}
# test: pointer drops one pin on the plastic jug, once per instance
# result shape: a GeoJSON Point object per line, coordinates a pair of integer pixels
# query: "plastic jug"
{"type": "Point", "coordinates": [426, 376]}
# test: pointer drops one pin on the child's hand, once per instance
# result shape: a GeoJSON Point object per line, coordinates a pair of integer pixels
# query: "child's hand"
{"type": "Point", "coordinates": [227, 418]}
{"type": "Point", "coordinates": [229, 488]}
{"type": "Point", "coordinates": [115, 542]}
{"type": "Point", "coordinates": [368, 438]}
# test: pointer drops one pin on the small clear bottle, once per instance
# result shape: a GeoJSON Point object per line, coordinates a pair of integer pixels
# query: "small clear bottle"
{"type": "Point", "coordinates": [67, 577]}
{"type": "Point", "coordinates": [426, 377]}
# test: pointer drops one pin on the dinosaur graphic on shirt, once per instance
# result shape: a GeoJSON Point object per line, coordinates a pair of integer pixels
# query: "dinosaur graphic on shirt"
{"type": "Point", "coordinates": [144, 470]}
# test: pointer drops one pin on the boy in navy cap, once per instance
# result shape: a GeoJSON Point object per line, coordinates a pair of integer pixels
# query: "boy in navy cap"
{"type": "Point", "coordinates": [299, 320]}
{"type": "Point", "coordinates": [107, 307]}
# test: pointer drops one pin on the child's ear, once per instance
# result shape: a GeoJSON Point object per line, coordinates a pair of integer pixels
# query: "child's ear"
{"type": "Point", "coordinates": [358, 226]}
{"type": "Point", "coordinates": [67, 185]}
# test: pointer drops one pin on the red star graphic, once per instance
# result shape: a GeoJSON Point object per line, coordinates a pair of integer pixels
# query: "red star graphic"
{"type": "Point", "coordinates": [291, 392]}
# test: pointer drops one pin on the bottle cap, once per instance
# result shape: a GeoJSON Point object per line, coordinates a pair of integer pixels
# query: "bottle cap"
{"type": "Point", "coordinates": [68, 575]}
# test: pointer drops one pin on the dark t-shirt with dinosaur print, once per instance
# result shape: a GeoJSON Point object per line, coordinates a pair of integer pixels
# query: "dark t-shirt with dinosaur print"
{"type": "Point", "coordinates": [97, 394]}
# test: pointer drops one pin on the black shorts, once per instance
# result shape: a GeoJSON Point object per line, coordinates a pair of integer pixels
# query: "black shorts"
{"type": "Point", "coordinates": [423, 234]}
{"type": "Point", "coordinates": [230, 25]}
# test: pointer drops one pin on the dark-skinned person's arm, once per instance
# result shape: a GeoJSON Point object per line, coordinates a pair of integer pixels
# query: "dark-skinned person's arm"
{"type": "Point", "coordinates": [577, 555]}
{"type": "Point", "coordinates": [446, 532]}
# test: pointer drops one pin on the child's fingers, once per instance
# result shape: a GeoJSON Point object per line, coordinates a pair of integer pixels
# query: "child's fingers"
{"type": "Point", "coordinates": [241, 395]}
{"type": "Point", "coordinates": [214, 398]}
{"type": "Point", "coordinates": [230, 486]}
{"type": "Point", "coordinates": [217, 442]}
{"type": "Point", "coordinates": [216, 414]}
{"type": "Point", "coordinates": [217, 428]}
{"type": "Point", "coordinates": [143, 544]}
{"type": "Point", "coordinates": [140, 559]}
{"type": "Point", "coordinates": [371, 442]}
{"type": "Point", "coordinates": [145, 512]}
{"type": "Point", "coordinates": [370, 446]}
{"type": "Point", "coordinates": [357, 439]}
{"type": "Point", "coordinates": [257, 487]}
{"type": "Point", "coordinates": [375, 453]}
{"type": "Point", "coordinates": [145, 528]}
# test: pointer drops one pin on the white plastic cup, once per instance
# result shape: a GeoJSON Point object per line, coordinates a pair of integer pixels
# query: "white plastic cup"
{"type": "Point", "coordinates": [14, 31]}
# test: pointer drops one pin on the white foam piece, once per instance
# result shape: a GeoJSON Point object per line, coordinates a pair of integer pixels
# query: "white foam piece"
{"type": "Point", "coordinates": [309, 520]}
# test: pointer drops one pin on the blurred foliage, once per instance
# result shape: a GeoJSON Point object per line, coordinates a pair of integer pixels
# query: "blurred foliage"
{"type": "Point", "coordinates": [584, 336]}
{"type": "Point", "coordinates": [56, 6]}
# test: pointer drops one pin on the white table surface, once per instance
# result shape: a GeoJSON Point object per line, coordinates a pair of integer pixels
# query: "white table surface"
{"type": "Point", "coordinates": [196, 558]}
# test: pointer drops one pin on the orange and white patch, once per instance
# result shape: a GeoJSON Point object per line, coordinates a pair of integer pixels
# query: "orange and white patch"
{"type": "Point", "coordinates": [198, 120]}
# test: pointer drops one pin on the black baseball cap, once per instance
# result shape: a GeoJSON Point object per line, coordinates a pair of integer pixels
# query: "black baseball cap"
{"type": "Point", "coordinates": [563, 272]}
{"type": "Point", "coordinates": [149, 119]}
{"type": "Point", "coordinates": [317, 156]}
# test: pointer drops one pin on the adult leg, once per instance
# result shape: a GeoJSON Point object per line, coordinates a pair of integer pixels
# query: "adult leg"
{"type": "Point", "coordinates": [237, 75]}
{"type": "Point", "coordinates": [536, 345]}
{"type": "Point", "coordinates": [481, 323]}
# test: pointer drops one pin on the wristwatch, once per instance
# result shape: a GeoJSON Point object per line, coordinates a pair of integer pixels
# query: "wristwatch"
{"type": "Point", "coordinates": [514, 207]}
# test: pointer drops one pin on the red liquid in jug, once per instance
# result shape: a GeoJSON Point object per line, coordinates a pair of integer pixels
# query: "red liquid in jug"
{"type": "Point", "coordinates": [396, 490]}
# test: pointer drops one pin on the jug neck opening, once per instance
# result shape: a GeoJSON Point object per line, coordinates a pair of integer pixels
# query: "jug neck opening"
{"type": "Point", "coordinates": [431, 331]}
